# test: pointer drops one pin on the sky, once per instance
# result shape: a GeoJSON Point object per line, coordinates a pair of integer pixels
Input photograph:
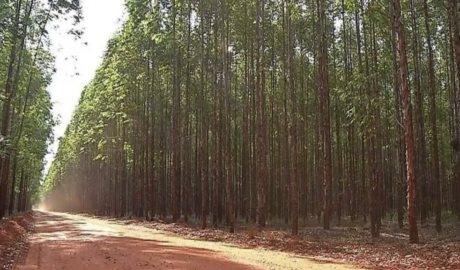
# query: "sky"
{"type": "Point", "coordinates": [101, 20]}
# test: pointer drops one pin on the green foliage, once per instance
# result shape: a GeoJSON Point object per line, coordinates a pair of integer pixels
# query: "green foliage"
{"type": "Point", "coordinates": [131, 97]}
{"type": "Point", "coordinates": [24, 44]}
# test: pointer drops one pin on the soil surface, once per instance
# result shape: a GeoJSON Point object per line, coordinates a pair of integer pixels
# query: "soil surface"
{"type": "Point", "coordinates": [345, 243]}
{"type": "Point", "coordinates": [73, 242]}
{"type": "Point", "coordinates": [13, 238]}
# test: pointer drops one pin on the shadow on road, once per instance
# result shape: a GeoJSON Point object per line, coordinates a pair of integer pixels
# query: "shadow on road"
{"type": "Point", "coordinates": [66, 243]}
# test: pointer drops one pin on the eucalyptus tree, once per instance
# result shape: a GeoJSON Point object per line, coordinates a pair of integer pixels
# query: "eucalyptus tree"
{"type": "Point", "coordinates": [26, 128]}
{"type": "Point", "coordinates": [265, 109]}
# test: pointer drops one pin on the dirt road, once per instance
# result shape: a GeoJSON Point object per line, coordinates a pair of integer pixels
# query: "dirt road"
{"type": "Point", "coordinates": [71, 242]}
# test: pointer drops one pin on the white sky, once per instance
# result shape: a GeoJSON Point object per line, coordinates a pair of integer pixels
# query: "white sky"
{"type": "Point", "coordinates": [102, 18]}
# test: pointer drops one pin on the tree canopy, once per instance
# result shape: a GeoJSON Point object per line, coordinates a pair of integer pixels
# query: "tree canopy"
{"type": "Point", "coordinates": [263, 109]}
{"type": "Point", "coordinates": [26, 68]}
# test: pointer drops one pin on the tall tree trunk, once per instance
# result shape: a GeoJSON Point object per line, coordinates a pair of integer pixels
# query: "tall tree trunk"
{"type": "Point", "coordinates": [422, 171]}
{"type": "Point", "coordinates": [453, 10]}
{"type": "Point", "coordinates": [187, 144]}
{"type": "Point", "coordinates": [400, 152]}
{"type": "Point", "coordinates": [293, 131]}
{"type": "Point", "coordinates": [261, 127]}
{"type": "Point", "coordinates": [409, 136]}
{"type": "Point", "coordinates": [6, 109]}
{"type": "Point", "coordinates": [227, 124]}
{"type": "Point", "coordinates": [325, 119]}
{"type": "Point", "coordinates": [434, 126]}
{"type": "Point", "coordinates": [176, 121]}
{"type": "Point", "coordinates": [204, 132]}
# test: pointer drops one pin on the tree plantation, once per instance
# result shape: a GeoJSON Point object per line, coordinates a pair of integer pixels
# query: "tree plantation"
{"type": "Point", "coordinates": [26, 67]}
{"type": "Point", "coordinates": [230, 111]}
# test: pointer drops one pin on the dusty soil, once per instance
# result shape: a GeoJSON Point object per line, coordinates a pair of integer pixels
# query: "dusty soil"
{"type": "Point", "coordinates": [345, 243]}
{"type": "Point", "coordinates": [13, 239]}
{"type": "Point", "coordinates": [64, 241]}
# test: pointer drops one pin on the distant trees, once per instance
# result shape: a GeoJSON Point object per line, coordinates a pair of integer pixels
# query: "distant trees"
{"type": "Point", "coordinates": [268, 109]}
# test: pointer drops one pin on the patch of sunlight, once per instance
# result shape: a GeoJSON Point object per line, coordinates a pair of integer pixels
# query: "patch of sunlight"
{"type": "Point", "coordinates": [159, 251]}
{"type": "Point", "coordinates": [397, 235]}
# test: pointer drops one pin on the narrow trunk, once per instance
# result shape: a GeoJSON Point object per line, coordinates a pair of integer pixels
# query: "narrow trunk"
{"type": "Point", "coordinates": [293, 132]}
{"type": "Point", "coordinates": [260, 115]}
{"type": "Point", "coordinates": [409, 136]}
{"type": "Point", "coordinates": [434, 128]}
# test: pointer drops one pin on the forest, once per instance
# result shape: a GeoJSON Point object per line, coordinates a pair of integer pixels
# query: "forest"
{"type": "Point", "coordinates": [243, 111]}
{"type": "Point", "coordinates": [26, 68]}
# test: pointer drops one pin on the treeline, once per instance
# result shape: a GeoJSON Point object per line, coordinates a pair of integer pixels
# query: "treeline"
{"type": "Point", "coordinates": [264, 109]}
{"type": "Point", "coordinates": [26, 67]}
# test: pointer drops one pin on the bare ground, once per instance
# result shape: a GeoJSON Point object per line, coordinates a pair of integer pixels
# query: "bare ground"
{"type": "Point", "coordinates": [346, 243]}
{"type": "Point", "coordinates": [73, 242]}
{"type": "Point", "coordinates": [13, 238]}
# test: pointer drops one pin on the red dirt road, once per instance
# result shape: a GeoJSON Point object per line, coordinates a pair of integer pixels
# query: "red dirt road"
{"type": "Point", "coordinates": [71, 242]}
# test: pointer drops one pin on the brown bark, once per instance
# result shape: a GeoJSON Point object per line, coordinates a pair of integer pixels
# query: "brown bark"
{"type": "Point", "coordinates": [176, 123]}
{"type": "Point", "coordinates": [400, 172]}
{"type": "Point", "coordinates": [422, 170]}
{"type": "Point", "coordinates": [227, 124]}
{"type": "Point", "coordinates": [324, 112]}
{"type": "Point", "coordinates": [293, 132]}
{"type": "Point", "coordinates": [453, 10]}
{"type": "Point", "coordinates": [216, 143]}
{"type": "Point", "coordinates": [261, 152]}
{"type": "Point", "coordinates": [187, 130]}
{"type": "Point", "coordinates": [409, 136]}
{"type": "Point", "coordinates": [151, 156]}
{"type": "Point", "coordinates": [6, 109]}
{"type": "Point", "coordinates": [204, 137]}
{"type": "Point", "coordinates": [434, 128]}
{"type": "Point", "coordinates": [13, 186]}
{"type": "Point", "coordinates": [245, 148]}
{"type": "Point", "coordinates": [375, 137]}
